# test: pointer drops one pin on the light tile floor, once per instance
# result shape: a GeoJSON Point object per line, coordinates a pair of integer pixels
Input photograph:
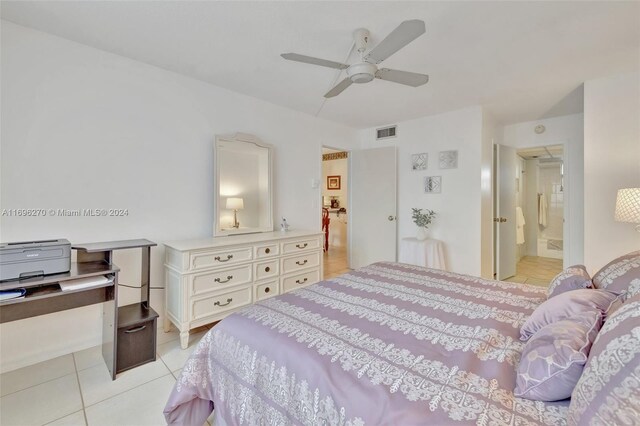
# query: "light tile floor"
{"type": "Point", "coordinates": [335, 262]}
{"type": "Point", "coordinates": [536, 270]}
{"type": "Point", "coordinates": [76, 389]}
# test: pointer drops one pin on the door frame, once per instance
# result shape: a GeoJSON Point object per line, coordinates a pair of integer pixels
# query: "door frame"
{"type": "Point", "coordinates": [320, 186]}
{"type": "Point", "coordinates": [567, 194]}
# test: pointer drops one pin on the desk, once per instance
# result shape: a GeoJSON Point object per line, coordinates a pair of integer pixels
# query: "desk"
{"type": "Point", "coordinates": [429, 253]}
{"type": "Point", "coordinates": [121, 348]}
{"type": "Point", "coordinates": [44, 296]}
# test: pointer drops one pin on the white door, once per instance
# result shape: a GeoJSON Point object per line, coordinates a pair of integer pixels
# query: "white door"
{"type": "Point", "coordinates": [372, 223]}
{"type": "Point", "coordinates": [505, 211]}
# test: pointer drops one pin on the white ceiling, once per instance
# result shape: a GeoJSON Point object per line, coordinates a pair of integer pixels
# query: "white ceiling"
{"type": "Point", "coordinates": [522, 60]}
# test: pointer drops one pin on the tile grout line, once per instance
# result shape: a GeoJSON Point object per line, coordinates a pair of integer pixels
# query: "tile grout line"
{"type": "Point", "coordinates": [127, 390]}
{"type": "Point", "coordinates": [75, 366]}
{"type": "Point", "coordinates": [37, 384]}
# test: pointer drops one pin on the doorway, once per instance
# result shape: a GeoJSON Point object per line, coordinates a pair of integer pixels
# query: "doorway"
{"type": "Point", "coordinates": [530, 190]}
{"type": "Point", "coordinates": [335, 204]}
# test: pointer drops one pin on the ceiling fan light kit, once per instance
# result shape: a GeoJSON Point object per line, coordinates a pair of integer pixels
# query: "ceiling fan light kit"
{"type": "Point", "coordinates": [366, 70]}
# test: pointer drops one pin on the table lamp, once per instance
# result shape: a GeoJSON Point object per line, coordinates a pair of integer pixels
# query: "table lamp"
{"type": "Point", "coordinates": [235, 204]}
{"type": "Point", "coordinates": [628, 206]}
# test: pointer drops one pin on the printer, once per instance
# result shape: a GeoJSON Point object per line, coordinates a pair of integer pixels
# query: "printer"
{"type": "Point", "coordinates": [32, 258]}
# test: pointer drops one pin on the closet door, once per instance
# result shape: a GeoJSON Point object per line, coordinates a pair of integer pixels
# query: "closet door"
{"type": "Point", "coordinates": [372, 222]}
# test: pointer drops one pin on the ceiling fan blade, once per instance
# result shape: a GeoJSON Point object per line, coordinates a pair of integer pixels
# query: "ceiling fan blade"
{"type": "Point", "coordinates": [403, 77]}
{"type": "Point", "coordinates": [338, 88]}
{"type": "Point", "coordinates": [314, 61]}
{"type": "Point", "coordinates": [404, 34]}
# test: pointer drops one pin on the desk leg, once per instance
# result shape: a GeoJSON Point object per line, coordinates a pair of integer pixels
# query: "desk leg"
{"type": "Point", "coordinates": [110, 328]}
{"type": "Point", "coordinates": [166, 323]}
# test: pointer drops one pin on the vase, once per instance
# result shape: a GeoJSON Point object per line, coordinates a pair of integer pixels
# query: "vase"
{"type": "Point", "coordinates": [421, 235]}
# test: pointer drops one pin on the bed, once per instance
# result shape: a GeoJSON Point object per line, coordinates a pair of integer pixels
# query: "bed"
{"type": "Point", "coordinates": [388, 343]}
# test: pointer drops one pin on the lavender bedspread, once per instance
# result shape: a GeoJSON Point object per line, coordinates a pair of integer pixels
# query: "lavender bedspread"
{"type": "Point", "coordinates": [389, 344]}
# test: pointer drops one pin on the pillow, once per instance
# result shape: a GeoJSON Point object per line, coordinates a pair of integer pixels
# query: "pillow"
{"type": "Point", "coordinates": [553, 359]}
{"type": "Point", "coordinates": [567, 305]}
{"type": "Point", "coordinates": [608, 391]}
{"type": "Point", "coordinates": [572, 278]}
{"type": "Point", "coordinates": [617, 276]}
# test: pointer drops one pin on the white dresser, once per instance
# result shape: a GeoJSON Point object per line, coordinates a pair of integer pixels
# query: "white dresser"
{"type": "Point", "coordinates": [209, 279]}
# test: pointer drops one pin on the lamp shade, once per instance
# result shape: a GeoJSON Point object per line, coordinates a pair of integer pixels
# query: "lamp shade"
{"type": "Point", "coordinates": [628, 205]}
{"type": "Point", "coordinates": [235, 203]}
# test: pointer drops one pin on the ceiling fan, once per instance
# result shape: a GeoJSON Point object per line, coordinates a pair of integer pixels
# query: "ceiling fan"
{"type": "Point", "coordinates": [366, 70]}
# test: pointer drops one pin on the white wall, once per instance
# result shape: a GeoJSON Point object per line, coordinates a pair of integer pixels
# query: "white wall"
{"type": "Point", "coordinates": [567, 130]}
{"type": "Point", "coordinates": [611, 162]}
{"type": "Point", "coordinates": [459, 205]}
{"type": "Point", "coordinates": [82, 128]}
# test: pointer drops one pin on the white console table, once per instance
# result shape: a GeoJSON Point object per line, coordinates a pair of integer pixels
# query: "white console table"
{"type": "Point", "coordinates": [429, 253]}
{"type": "Point", "coordinates": [208, 279]}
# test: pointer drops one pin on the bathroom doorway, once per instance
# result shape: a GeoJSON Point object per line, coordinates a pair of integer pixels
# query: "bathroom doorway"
{"type": "Point", "coordinates": [335, 205]}
{"type": "Point", "coordinates": [541, 200]}
{"type": "Point", "coordinates": [538, 223]}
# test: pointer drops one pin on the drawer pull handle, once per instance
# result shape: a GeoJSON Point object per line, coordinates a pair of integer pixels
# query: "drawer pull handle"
{"type": "Point", "coordinates": [223, 304]}
{"type": "Point", "coordinates": [229, 257]}
{"type": "Point", "coordinates": [301, 282]}
{"type": "Point", "coordinates": [303, 263]}
{"type": "Point", "coordinates": [302, 246]}
{"type": "Point", "coordinates": [267, 269]}
{"type": "Point", "coordinates": [267, 290]}
{"type": "Point", "coordinates": [267, 250]}
{"type": "Point", "coordinates": [135, 330]}
{"type": "Point", "coordinates": [219, 280]}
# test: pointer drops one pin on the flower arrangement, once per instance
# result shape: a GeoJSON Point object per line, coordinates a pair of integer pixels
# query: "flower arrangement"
{"type": "Point", "coordinates": [423, 220]}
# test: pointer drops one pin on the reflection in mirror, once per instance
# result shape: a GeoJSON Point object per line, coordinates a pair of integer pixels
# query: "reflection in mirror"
{"type": "Point", "coordinates": [243, 185]}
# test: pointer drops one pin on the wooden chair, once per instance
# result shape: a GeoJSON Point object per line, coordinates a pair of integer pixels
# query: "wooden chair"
{"type": "Point", "coordinates": [325, 227]}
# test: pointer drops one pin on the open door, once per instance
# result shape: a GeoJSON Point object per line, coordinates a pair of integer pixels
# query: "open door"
{"type": "Point", "coordinates": [373, 206]}
{"type": "Point", "coordinates": [505, 211]}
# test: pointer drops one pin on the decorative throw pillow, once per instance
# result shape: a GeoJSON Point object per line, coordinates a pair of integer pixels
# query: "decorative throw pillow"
{"type": "Point", "coordinates": [621, 275]}
{"type": "Point", "coordinates": [608, 391]}
{"type": "Point", "coordinates": [573, 278]}
{"type": "Point", "coordinates": [553, 359]}
{"type": "Point", "coordinates": [567, 305]}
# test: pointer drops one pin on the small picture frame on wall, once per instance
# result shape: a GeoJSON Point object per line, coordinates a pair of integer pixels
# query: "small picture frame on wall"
{"type": "Point", "coordinates": [419, 161]}
{"type": "Point", "coordinates": [432, 184]}
{"type": "Point", "coordinates": [333, 182]}
{"type": "Point", "coordinates": [448, 160]}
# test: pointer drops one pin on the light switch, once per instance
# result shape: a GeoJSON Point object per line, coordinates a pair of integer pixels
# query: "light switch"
{"type": "Point", "coordinates": [315, 183]}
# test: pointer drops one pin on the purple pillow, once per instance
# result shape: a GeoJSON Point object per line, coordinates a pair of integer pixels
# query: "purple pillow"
{"type": "Point", "coordinates": [553, 359]}
{"type": "Point", "coordinates": [619, 275]}
{"type": "Point", "coordinates": [573, 278]}
{"type": "Point", "coordinates": [567, 305]}
{"type": "Point", "coordinates": [608, 391]}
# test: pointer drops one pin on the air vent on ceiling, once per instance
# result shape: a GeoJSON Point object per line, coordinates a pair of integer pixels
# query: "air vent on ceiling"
{"type": "Point", "coordinates": [386, 132]}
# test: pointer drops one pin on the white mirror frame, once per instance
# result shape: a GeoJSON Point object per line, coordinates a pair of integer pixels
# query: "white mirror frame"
{"type": "Point", "coordinates": [241, 137]}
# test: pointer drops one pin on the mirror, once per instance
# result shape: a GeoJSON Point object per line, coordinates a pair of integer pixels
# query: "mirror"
{"type": "Point", "coordinates": [243, 188]}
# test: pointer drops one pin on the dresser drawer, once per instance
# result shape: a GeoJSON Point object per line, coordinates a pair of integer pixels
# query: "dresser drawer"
{"type": "Point", "coordinates": [266, 290]}
{"type": "Point", "coordinates": [267, 250]}
{"type": "Point", "coordinates": [299, 245]}
{"type": "Point", "coordinates": [208, 259]}
{"type": "Point", "coordinates": [221, 302]}
{"type": "Point", "coordinates": [267, 269]}
{"type": "Point", "coordinates": [295, 263]}
{"type": "Point", "coordinates": [300, 280]}
{"type": "Point", "coordinates": [212, 281]}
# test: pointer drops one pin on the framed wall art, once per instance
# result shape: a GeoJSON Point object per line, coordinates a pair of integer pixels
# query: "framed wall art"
{"type": "Point", "coordinates": [432, 184]}
{"type": "Point", "coordinates": [448, 160]}
{"type": "Point", "coordinates": [419, 161]}
{"type": "Point", "coordinates": [333, 182]}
